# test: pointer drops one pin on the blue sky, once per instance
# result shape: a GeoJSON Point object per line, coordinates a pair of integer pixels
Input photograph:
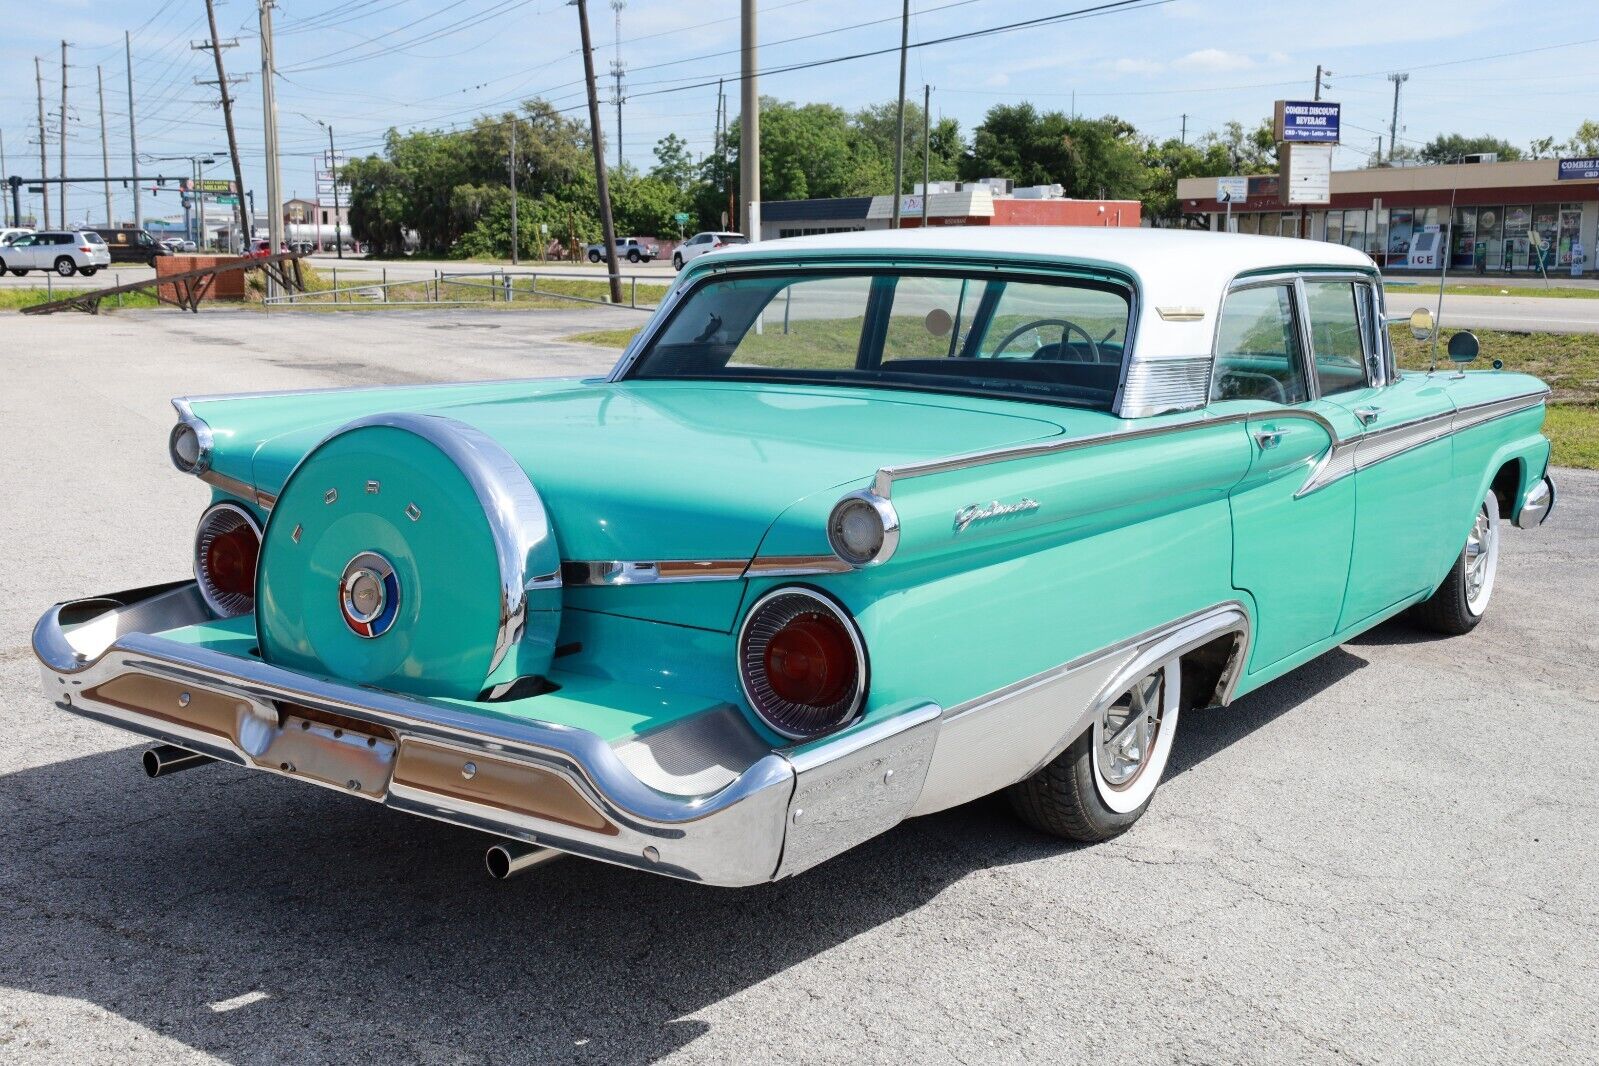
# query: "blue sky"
{"type": "Point", "coordinates": [366, 65]}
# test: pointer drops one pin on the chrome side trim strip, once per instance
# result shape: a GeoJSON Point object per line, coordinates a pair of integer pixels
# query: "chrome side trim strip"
{"type": "Point", "coordinates": [580, 573]}
{"type": "Point", "coordinates": [1369, 449]}
{"type": "Point", "coordinates": [883, 483]}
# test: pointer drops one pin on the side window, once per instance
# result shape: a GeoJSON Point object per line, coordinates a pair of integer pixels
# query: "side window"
{"type": "Point", "coordinates": [1257, 348]}
{"type": "Point", "coordinates": [1336, 336]}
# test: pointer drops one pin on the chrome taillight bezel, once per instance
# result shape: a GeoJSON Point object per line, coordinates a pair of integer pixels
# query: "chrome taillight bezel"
{"type": "Point", "coordinates": [790, 720]}
{"type": "Point", "coordinates": [220, 518]}
{"type": "Point", "coordinates": [881, 511]}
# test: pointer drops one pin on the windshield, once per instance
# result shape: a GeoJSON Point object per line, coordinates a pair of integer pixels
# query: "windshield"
{"type": "Point", "coordinates": [1059, 340]}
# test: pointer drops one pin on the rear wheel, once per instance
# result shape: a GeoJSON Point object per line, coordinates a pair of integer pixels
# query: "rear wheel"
{"type": "Point", "coordinates": [19, 273]}
{"type": "Point", "coordinates": [594, 257]}
{"type": "Point", "coordinates": [632, 257]}
{"type": "Point", "coordinates": [1461, 601]}
{"type": "Point", "coordinates": [1100, 785]}
{"type": "Point", "coordinates": [88, 272]}
{"type": "Point", "coordinates": [66, 267]}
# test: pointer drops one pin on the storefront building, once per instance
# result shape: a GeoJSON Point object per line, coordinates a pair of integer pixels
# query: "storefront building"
{"type": "Point", "coordinates": [989, 202]}
{"type": "Point", "coordinates": [1504, 215]}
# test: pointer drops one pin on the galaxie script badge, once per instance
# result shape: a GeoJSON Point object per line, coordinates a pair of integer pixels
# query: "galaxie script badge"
{"type": "Point", "coordinates": [982, 512]}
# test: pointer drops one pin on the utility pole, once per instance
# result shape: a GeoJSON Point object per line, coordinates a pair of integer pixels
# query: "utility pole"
{"type": "Point", "coordinates": [1184, 137]}
{"type": "Point", "coordinates": [105, 148]}
{"type": "Point", "coordinates": [133, 135]}
{"type": "Point", "coordinates": [516, 234]}
{"type": "Point", "coordinates": [216, 46]}
{"type": "Point", "coordinates": [749, 148]}
{"type": "Point", "coordinates": [721, 155]}
{"type": "Point", "coordinates": [5, 215]}
{"type": "Point", "coordinates": [269, 120]}
{"type": "Point", "coordinates": [618, 68]}
{"type": "Point", "coordinates": [333, 172]}
{"type": "Point", "coordinates": [927, 148]}
{"type": "Point", "coordinates": [602, 183]}
{"type": "Point", "coordinates": [899, 138]}
{"type": "Point", "coordinates": [1393, 127]}
{"type": "Point", "coordinates": [44, 168]}
{"type": "Point", "coordinates": [61, 206]}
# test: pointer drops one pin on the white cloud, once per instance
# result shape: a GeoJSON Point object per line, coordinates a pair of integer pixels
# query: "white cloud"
{"type": "Point", "coordinates": [997, 81]}
{"type": "Point", "coordinates": [1136, 66]}
{"type": "Point", "coordinates": [1214, 60]}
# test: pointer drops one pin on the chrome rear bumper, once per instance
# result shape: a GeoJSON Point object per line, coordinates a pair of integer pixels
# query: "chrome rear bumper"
{"type": "Point", "coordinates": [543, 783]}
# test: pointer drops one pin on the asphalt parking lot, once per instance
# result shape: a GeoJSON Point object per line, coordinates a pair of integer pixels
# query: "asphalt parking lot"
{"type": "Point", "coordinates": [1387, 856]}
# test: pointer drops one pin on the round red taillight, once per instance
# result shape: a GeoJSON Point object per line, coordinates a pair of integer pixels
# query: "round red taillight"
{"type": "Point", "coordinates": [226, 547]}
{"type": "Point", "coordinates": [801, 663]}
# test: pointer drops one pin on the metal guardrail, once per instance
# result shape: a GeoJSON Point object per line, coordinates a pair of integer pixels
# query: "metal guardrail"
{"type": "Point", "coordinates": [502, 286]}
{"type": "Point", "coordinates": [187, 287]}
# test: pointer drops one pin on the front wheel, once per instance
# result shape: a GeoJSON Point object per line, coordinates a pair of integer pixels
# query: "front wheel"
{"type": "Point", "coordinates": [677, 262]}
{"type": "Point", "coordinates": [88, 272]}
{"type": "Point", "coordinates": [1099, 786]}
{"type": "Point", "coordinates": [594, 257]}
{"type": "Point", "coordinates": [1461, 601]}
{"type": "Point", "coordinates": [632, 257]}
{"type": "Point", "coordinates": [19, 273]}
{"type": "Point", "coordinates": [66, 267]}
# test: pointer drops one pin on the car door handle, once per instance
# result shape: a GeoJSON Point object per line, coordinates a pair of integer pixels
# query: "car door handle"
{"type": "Point", "coordinates": [1367, 415]}
{"type": "Point", "coordinates": [1268, 438]}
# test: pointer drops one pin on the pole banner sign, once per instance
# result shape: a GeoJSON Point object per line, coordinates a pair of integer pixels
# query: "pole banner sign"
{"type": "Point", "coordinates": [1310, 121]}
{"type": "Point", "coordinates": [1579, 169]}
{"type": "Point", "coordinates": [1232, 190]}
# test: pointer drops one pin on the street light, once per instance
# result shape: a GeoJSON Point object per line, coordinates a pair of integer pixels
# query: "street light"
{"type": "Point", "coordinates": [333, 171]}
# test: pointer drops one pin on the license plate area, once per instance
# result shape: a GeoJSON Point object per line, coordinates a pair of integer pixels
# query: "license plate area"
{"type": "Point", "coordinates": [330, 750]}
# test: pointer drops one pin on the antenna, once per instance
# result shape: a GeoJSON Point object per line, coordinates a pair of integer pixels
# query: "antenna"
{"type": "Point", "coordinates": [1448, 254]}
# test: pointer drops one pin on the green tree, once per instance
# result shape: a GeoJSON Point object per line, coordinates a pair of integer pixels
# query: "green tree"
{"type": "Point", "coordinates": [1586, 140]}
{"type": "Point", "coordinates": [1089, 157]}
{"type": "Point", "coordinates": [1449, 147]}
{"type": "Point", "coordinates": [672, 162]}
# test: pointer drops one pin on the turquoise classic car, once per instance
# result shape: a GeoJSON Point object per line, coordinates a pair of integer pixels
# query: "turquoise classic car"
{"type": "Point", "coordinates": [860, 527]}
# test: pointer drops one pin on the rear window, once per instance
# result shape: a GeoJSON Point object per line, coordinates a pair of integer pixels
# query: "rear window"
{"type": "Point", "coordinates": [732, 238]}
{"type": "Point", "coordinates": [93, 238]}
{"type": "Point", "coordinates": [1021, 337]}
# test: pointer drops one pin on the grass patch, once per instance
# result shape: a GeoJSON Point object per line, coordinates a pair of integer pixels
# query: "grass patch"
{"type": "Point", "coordinates": [1573, 429]}
{"type": "Point", "coordinates": [1488, 288]}
{"type": "Point", "coordinates": [604, 338]}
{"type": "Point", "coordinates": [16, 299]}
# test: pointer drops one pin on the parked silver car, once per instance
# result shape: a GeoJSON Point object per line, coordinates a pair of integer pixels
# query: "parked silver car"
{"type": "Point", "coordinates": [67, 252]}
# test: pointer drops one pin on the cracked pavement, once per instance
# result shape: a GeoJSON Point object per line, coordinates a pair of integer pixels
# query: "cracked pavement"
{"type": "Point", "coordinates": [1387, 856]}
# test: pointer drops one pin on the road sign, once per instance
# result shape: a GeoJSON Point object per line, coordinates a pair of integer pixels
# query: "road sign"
{"type": "Point", "coordinates": [1305, 121]}
{"type": "Point", "coordinates": [681, 218]}
{"type": "Point", "coordinates": [216, 185]}
{"type": "Point", "coordinates": [226, 201]}
{"type": "Point", "coordinates": [1232, 190]}
{"type": "Point", "coordinates": [1306, 173]}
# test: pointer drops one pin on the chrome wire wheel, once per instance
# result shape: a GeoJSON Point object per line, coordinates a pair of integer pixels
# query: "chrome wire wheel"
{"type": "Point", "coordinates": [1133, 737]}
{"type": "Point", "coordinates": [1482, 556]}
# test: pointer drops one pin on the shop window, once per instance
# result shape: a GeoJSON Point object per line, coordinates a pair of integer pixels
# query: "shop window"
{"type": "Point", "coordinates": [1570, 232]}
{"type": "Point", "coordinates": [1271, 225]}
{"type": "Point", "coordinates": [1517, 246]}
{"type": "Point", "coordinates": [1290, 227]}
{"type": "Point", "coordinates": [1334, 231]}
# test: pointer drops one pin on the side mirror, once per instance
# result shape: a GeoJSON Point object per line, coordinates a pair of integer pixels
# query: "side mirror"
{"type": "Point", "coordinates": [1421, 324]}
{"type": "Point", "coordinates": [1463, 347]}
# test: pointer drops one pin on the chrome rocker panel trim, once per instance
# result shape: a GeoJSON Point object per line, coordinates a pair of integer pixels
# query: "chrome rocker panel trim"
{"type": "Point", "coordinates": [750, 831]}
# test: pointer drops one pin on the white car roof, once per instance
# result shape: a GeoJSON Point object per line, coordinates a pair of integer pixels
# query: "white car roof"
{"type": "Point", "coordinates": [1175, 270]}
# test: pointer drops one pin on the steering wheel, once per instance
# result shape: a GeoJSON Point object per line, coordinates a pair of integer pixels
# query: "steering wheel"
{"type": "Point", "coordinates": [1270, 388]}
{"type": "Point", "coordinates": [1067, 328]}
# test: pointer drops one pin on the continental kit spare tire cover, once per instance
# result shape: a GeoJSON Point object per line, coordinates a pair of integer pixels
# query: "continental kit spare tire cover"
{"type": "Point", "coordinates": [409, 552]}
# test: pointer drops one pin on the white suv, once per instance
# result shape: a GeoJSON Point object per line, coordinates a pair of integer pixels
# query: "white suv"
{"type": "Point", "coordinates": [67, 252]}
{"type": "Point", "coordinates": [701, 243]}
